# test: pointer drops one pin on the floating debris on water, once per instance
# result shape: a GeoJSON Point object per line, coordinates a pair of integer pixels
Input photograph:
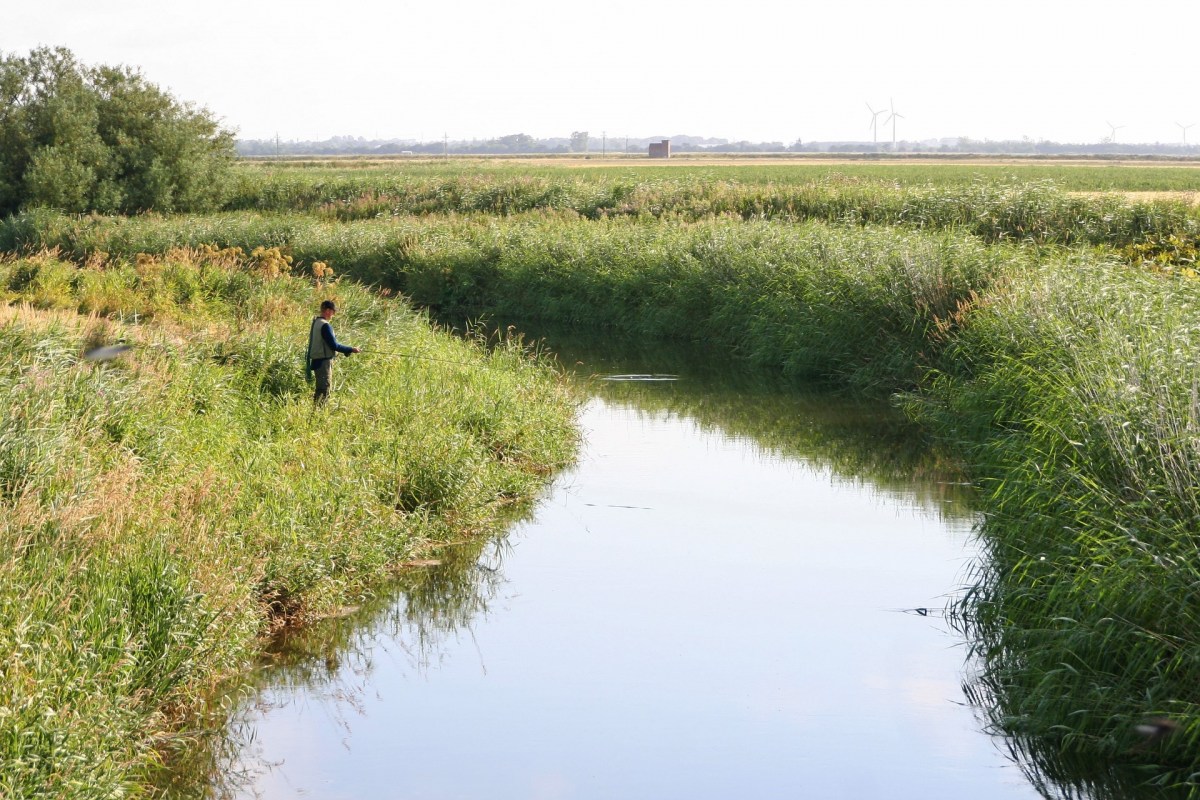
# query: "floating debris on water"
{"type": "Point", "coordinates": [639, 378]}
{"type": "Point", "coordinates": [610, 505]}
{"type": "Point", "coordinates": [921, 612]}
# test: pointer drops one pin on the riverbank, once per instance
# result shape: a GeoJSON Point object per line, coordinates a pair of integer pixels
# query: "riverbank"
{"type": "Point", "coordinates": [167, 508]}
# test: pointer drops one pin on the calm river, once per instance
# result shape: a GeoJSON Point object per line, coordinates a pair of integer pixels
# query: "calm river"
{"type": "Point", "coordinates": [737, 593]}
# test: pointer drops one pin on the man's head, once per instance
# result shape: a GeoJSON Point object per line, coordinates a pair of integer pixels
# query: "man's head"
{"type": "Point", "coordinates": [327, 308]}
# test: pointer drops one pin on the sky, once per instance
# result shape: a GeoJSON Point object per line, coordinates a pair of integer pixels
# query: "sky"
{"type": "Point", "coordinates": [757, 70]}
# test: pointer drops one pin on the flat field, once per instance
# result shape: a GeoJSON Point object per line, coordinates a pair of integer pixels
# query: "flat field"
{"type": "Point", "coordinates": [1077, 174]}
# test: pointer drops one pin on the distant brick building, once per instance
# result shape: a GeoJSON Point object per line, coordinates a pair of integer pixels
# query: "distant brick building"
{"type": "Point", "coordinates": [660, 149]}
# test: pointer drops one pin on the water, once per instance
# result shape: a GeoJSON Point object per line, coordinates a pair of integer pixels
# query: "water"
{"type": "Point", "coordinates": [736, 593]}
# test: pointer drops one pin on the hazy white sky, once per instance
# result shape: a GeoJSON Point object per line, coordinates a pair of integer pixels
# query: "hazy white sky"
{"type": "Point", "coordinates": [756, 69]}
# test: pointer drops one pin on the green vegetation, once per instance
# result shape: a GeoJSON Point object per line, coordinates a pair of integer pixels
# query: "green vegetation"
{"type": "Point", "coordinates": [103, 139]}
{"type": "Point", "coordinates": [995, 209]}
{"type": "Point", "coordinates": [1085, 611]}
{"type": "Point", "coordinates": [366, 175]}
{"type": "Point", "coordinates": [165, 510]}
{"type": "Point", "coordinates": [1045, 335]}
{"type": "Point", "coordinates": [791, 298]}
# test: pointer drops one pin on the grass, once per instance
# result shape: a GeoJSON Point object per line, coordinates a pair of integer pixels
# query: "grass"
{"type": "Point", "coordinates": [1076, 175]}
{"type": "Point", "coordinates": [734, 284]}
{"type": "Point", "coordinates": [995, 207]}
{"type": "Point", "coordinates": [1048, 337]}
{"type": "Point", "coordinates": [164, 511]}
{"type": "Point", "coordinates": [1084, 613]}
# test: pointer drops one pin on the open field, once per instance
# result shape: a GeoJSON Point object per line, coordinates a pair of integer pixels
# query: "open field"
{"type": "Point", "coordinates": [1110, 172]}
{"type": "Point", "coordinates": [691, 160]}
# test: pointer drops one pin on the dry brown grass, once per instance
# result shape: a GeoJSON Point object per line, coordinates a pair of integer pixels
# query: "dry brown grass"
{"type": "Point", "coordinates": [1191, 198]}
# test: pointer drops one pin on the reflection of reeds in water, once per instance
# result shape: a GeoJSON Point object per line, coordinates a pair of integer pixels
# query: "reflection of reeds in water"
{"type": "Point", "coordinates": [331, 661]}
{"type": "Point", "coordinates": [1137, 772]}
{"type": "Point", "coordinates": [423, 606]}
{"type": "Point", "coordinates": [867, 440]}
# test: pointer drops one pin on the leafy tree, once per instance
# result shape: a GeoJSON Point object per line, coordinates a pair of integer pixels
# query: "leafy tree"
{"type": "Point", "coordinates": [103, 139]}
{"type": "Point", "coordinates": [579, 141]}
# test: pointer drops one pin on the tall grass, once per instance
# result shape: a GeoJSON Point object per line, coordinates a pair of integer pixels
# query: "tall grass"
{"type": "Point", "coordinates": [792, 298]}
{"type": "Point", "coordinates": [162, 511]}
{"type": "Point", "coordinates": [1037, 211]}
{"type": "Point", "coordinates": [1085, 616]}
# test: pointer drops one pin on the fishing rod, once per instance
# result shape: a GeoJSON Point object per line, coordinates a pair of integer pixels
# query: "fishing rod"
{"type": "Point", "coordinates": [394, 354]}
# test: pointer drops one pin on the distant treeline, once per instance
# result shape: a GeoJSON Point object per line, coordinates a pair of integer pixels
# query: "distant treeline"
{"type": "Point", "coordinates": [582, 143]}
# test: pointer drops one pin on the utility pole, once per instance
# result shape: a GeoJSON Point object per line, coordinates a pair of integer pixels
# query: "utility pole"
{"type": "Point", "coordinates": [603, 143]}
{"type": "Point", "coordinates": [446, 145]}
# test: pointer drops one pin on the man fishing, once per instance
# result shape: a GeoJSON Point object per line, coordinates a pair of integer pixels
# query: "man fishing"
{"type": "Point", "coordinates": [322, 347]}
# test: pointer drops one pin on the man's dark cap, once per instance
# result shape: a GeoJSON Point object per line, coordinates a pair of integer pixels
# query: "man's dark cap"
{"type": "Point", "coordinates": [328, 304]}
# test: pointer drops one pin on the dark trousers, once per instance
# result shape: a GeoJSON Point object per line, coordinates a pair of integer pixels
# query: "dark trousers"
{"type": "Point", "coordinates": [323, 370]}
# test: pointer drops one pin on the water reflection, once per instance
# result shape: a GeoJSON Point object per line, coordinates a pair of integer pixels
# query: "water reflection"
{"type": "Point", "coordinates": [854, 438]}
{"type": "Point", "coordinates": [709, 606]}
{"type": "Point", "coordinates": [860, 439]}
{"type": "Point", "coordinates": [429, 601]}
{"type": "Point", "coordinates": [1057, 775]}
{"type": "Point", "coordinates": [329, 664]}
{"type": "Point", "coordinates": [1138, 766]}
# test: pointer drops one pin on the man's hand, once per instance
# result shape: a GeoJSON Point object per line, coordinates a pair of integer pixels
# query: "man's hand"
{"type": "Point", "coordinates": [355, 350]}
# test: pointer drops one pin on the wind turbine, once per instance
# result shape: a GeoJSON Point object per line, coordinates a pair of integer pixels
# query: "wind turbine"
{"type": "Point", "coordinates": [892, 119]}
{"type": "Point", "coordinates": [874, 123]}
{"type": "Point", "coordinates": [1113, 137]}
{"type": "Point", "coordinates": [1184, 128]}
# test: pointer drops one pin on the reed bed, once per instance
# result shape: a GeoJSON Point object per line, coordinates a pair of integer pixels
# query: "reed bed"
{"type": "Point", "coordinates": [791, 298]}
{"type": "Point", "coordinates": [1084, 380]}
{"type": "Point", "coordinates": [1026, 210]}
{"type": "Point", "coordinates": [163, 511]}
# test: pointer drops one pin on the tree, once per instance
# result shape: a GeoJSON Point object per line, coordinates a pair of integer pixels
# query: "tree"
{"type": "Point", "coordinates": [579, 141]}
{"type": "Point", "coordinates": [103, 139]}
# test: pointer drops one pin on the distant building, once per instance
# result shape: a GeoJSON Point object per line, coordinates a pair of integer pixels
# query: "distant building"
{"type": "Point", "coordinates": [660, 149]}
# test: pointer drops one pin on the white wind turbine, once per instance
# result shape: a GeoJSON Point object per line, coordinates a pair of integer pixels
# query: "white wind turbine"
{"type": "Point", "coordinates": [892, 119]}
{"type": "Point", "coordinates": [1113, 136]}
{"type": "Point", "coordinates": [874, 123]}
{"type": "Point", "coordinates": [1184, 128]}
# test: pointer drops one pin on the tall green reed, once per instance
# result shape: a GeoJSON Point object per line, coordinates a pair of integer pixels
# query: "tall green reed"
{"type": "Point", "coordinates": [1085, 379]}
{"type": "Point", "coordinates": [995, 209]}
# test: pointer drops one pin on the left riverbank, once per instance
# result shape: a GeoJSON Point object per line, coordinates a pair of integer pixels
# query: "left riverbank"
{"type": "Point", "coordinates": [167, 508]}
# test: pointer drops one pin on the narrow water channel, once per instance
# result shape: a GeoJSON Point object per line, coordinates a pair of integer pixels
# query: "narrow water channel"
{"type": "Point", "coordinates": [736, 593]}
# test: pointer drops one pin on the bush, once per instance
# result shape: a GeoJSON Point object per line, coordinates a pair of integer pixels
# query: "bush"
{"type": "Point", "coordinates": [104, 139]}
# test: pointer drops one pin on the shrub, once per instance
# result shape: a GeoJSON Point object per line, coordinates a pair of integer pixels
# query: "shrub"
{"type": "Point", "coordinates": [103, 139]}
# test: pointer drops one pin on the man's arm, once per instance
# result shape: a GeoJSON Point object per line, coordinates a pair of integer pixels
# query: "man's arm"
{"type": "Point", "coordinates": [327, 334]}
